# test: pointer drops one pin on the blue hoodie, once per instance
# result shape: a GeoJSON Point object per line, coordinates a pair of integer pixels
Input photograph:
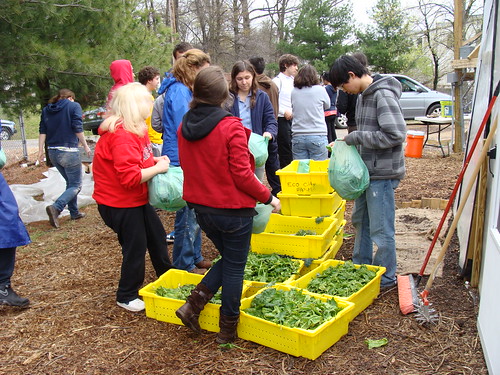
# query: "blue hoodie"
{"type": "Point", "coordinates": [61, 121]}
{"type": "Point", "coordinates": [176, 104]}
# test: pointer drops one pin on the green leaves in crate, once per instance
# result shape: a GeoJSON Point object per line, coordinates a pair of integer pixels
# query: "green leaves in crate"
{"type": "Point", "coordinates": [270, 268]}
{"type": "Point", "coordinates": [342, 280]}
{"type": "Point", "coordinates": [182, 292]}
{"type": "Point", "coordinates": [292, 308]}
{"type": "Point", "coordinates": [305, 232]}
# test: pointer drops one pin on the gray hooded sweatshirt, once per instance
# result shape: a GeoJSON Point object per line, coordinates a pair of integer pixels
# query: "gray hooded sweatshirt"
{"type": "Point", "coordinates": [381, 129]}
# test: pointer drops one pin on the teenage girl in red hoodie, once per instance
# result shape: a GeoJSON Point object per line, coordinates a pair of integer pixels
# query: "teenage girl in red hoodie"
{"type": "Point", "coordinates": [219, 183]}
{"type": "Point", "coordinates": [123, 163]}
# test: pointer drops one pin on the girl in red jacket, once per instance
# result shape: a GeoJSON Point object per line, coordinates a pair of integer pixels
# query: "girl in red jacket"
{"type": "Point", "coordinates": [123, 163]}
{"type": "Point", "coordinates": [219, 183]}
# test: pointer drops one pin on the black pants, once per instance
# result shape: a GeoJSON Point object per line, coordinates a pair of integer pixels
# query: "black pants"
{"type": "Point", "coordinates": [330, 127]}
{"type": "Point", "coordinates": [138, 229]}
{"type": "Point", "coordinates": [284, 141]}
{"type": "Point", "coordinates": [272, 165]}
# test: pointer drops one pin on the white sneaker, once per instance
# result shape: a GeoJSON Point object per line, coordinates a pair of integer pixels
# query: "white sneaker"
{"type": "Point", "coordinates": [134, 305]}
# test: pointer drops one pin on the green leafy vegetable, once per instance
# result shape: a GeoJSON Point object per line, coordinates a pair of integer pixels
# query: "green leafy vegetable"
{"type": "Point", "coordinates": [270, 268]}
{"type": "Point", "coordinates": [319, 219]}
{"type": "Point", "coordinates": [293, 308]}
{"type": "Point", "coordinates": [305, 232]}
{"type": "Point", "coordinates": [182, 293]}
{"type": "Point", "coordinates": [342, 280]}
{"type": "Point", "coordinates": [376, 343]}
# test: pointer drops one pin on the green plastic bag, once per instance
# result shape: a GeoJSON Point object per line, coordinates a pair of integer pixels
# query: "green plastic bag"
{"type": "Point", "coordinates": [263, 215]}
{"type": "Point", "coordinates": [165, 190]}
{"type": "Point", "coordinates": [3, 158]}
{"type": "Point", "coordinates": [304, 166]}
{"type": "Point", "coordinates": [258, 147]}
{"type": "Point", "coordinates": [347, 172]}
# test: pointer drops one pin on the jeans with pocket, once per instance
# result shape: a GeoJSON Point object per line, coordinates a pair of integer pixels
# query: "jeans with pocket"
{"type": "Point", "coordinates": [310, 147]}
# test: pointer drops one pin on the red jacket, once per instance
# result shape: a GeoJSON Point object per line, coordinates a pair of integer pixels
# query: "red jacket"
{"type": "Point", "coordinates": [219, 169]}
{"type": "Point", "coordinates": [119, 158]}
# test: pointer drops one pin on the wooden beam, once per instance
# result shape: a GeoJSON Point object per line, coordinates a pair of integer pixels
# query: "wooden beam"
{"type": "Point", "coordinates": [464, 63]}
{"type": "Point", "coordinates": [457, 43]}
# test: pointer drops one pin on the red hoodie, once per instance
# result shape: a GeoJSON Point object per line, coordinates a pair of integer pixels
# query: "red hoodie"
{"type": "Point", "coordinates": [122, 73]}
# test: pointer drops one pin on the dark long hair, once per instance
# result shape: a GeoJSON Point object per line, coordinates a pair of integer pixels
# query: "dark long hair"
{"type": "Point", "coordinates": [62, 94]}
{"type": "Point", "coordinates": [241, 66]}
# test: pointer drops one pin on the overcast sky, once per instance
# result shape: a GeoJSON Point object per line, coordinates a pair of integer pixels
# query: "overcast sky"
{"type": "Point", "coordinates": [361, 7]}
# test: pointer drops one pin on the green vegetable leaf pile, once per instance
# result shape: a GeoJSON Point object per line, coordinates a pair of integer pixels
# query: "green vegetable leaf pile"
{"type": "Point", "coordinates": [342, 280]}
{"type": "Point", "coordinates": [182, 293]}
{"type": "Point", "coordinates": [270, 268]}
{"type": "Point", "coordinates": [293, 308]}
{"type": "Point", "coordinates": [305, 232]}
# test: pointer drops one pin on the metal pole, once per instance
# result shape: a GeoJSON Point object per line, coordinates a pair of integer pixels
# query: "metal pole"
{"type": "Point", "coordinates": [23, 135]}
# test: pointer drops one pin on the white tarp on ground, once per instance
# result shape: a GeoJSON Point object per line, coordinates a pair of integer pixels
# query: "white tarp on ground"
{"type": "Point", "coordinates": [47, 191]}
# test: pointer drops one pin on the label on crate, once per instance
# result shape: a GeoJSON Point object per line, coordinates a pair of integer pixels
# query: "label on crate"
{"type": "Point", "coordinates": [304, 187]}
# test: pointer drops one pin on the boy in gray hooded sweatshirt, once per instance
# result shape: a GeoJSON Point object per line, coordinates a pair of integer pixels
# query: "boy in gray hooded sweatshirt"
{"type": "Point", "coordinates": [379, 138]}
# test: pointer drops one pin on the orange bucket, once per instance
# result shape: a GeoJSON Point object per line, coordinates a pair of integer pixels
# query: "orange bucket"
{"type": "Point", "coordinates": [414, 144]}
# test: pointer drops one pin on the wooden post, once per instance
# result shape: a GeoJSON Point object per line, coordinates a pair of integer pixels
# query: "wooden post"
{"type": "Point", "coordinates": [457, 110]}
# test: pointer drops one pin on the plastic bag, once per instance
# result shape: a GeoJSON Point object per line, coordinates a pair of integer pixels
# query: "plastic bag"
{"type": "Point", "coordinates": [304, 166]}
{"type": "Point", "coordinates": [347, 172]}
{"type": "Point", "coordinates": [263, 215]}
{"type": "Point", "coordinates": [3, 159]}
{"type": "Point", "coordinates": [258, 147]}
{"type": "Point", "coordinates": [165, 190]}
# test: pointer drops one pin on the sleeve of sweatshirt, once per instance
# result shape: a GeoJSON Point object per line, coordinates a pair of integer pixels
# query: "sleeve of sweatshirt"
{"type": "Point", "coordinates": [269, 120]}
{"type": "Point", "coordinates": [76, 119]}
{"type": "Point", "coordinates": [157, 113]}
{"type": "Point", "coordinates": [391, 126]}
{"type": "Point", "coordinates": [240, 167]}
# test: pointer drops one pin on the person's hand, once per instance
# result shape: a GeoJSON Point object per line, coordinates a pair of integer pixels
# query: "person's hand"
{"type": "Point", "coordinates": [267, 135]}
{"type": "Point", "coordinates": [87, 150]}
{"type": "Point", "coordinates": [162, 164]}
{"type": "Point", "coordinates": [158, 158]}
{"type": "Point", "coordinates": [288, 115]}
{"type": "Point", "coordinates": [40, 156]}
{"type": "Point", "coordinates": [276, 204]}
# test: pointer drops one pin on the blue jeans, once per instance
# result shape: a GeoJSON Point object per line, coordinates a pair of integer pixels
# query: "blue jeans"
{"type": "Point", "coordinates": [309, 147]}
{"type": "Point", "coordinates": [69, 165]}
{"type": "Point", "coordinates": [373, 217]}
{"type": "Point", "coordinates": [187, 243]}
{"type": "Point", "coordinates": [231, 236]}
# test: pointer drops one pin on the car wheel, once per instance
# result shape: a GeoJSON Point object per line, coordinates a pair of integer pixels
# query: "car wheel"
{"type": "Point", "coordinates": [434, 110]}
{"type": "Point", "coordinates": [341, 122]}
{"type": "Point", "coordinates": [5, 135]}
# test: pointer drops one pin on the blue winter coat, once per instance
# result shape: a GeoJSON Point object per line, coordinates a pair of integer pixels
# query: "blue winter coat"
{"type": "Point", "coordinates": [176, 104]}
{"type": "Point", "coordinates": [262, 115]}
{"type": "Point", "coordinates": [13, 231]}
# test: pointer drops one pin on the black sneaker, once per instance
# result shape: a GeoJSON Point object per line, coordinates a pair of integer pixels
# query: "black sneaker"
{"type": "Point", "coordinates": [10, 298]}
{"type": "Point", "coordinates": [170, 237]}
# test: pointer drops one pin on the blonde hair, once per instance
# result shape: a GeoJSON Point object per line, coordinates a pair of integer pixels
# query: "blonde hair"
{"type": "Point", "coordinates": [186, 67]}
{"type": "Point", "coordinates": [131, 106]}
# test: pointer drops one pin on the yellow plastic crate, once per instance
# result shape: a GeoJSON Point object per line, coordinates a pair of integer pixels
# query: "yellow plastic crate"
{"type": "Point", "coordinates": [361, 299]}
{"type": "Point", "coordinates": [330, 253]}
{"type": "Point", "coordinates": [295, 341]}
{"type": "Point", "coordinates": [279, 236]}
{"type": "Point", "coordinates": [314, 182]}
{"type": "Point", "coordinates": [163, 309]}
{"type": "Point", "coordinates": [255, 286]}
{"type": "Point", "coordinates": [309, 205]}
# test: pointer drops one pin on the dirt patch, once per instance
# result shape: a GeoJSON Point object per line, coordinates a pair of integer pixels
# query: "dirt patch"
{"type": "Point", "coordinates": [75, 327]}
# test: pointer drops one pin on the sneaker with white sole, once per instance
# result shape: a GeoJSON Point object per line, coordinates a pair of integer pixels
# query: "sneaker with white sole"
{"type": "Point", "coordinates": [135, 305]}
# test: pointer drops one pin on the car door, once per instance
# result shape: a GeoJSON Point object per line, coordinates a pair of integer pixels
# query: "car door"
{"type": "Point", "coordinates": [412, 98]}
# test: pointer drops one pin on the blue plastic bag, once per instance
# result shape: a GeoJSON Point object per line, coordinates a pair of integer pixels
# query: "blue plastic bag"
{"type": "Point", "coordinates": [258, 147]}
{"type": "Point", "coordinates": [165, 190]}
{"type": "Point", "coordinates": [347, 172]}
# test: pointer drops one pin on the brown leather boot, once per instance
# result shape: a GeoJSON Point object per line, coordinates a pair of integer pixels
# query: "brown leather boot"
{"type": "Point", "coordinates": [190, 311]}
{"type": "Point", "coordinates": [227, 325]}
{"type": "Point", "coordinates": [204, 264]}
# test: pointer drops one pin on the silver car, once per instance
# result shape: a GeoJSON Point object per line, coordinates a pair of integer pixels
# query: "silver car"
{"type": "Point", "coordinates": [7, 129]}
{"type": "Point", "coordinates": [418, 100]}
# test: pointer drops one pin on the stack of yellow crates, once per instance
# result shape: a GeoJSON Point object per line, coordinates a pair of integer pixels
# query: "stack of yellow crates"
{"type": "Point", "coordinates": [311, 223]}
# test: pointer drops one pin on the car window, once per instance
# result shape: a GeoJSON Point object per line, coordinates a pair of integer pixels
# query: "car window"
{"type": "Point", "coordinates": [408, 86]}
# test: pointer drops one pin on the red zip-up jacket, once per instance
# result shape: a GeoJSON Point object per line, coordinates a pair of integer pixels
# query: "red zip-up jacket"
{"type": "Point", "coordinates": [219, 169]}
